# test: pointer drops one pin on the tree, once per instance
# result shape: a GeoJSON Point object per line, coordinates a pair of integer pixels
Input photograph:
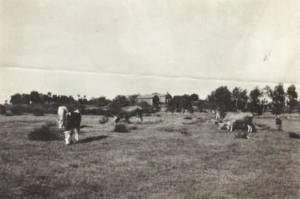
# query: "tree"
{"type": "Point", "coordinates": [194, 97]}
{"type": "Point", "coordinates": [175, 104]}
{"type": "Point", "coordinates": [221, 99]}
{"type": "Point", "coordinates": [155, 101]}
{"type": "Point", "coordinates": [292, 96]}
{"type": "Point", "coordinates": [239, 98]}
{"type": "Point", "coordinates": [35, 97]}
{"type": "Point", "coordinates": [16, 98]}
{"type": "Point", "coordinates": [25, 98]}
{"type": "Point", "coordinates": [117, 103]}
{"type": "Point", "coordinates": [132, 99]}
{"type": "Point", "coordinates": [278, 98]}
{"type": "Point", "coordinates": [255, 105]}
{"type": "Point", "coordinates": [187, 103]}
{"type": "Point", "coordinates": [102, 101]}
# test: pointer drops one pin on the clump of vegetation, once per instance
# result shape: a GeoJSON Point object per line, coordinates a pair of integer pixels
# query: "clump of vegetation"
{"type": "Point", "coordinates": [8, 114]}
{"type": "Point", "coordinates": [2, 109]}
{"type": "Point", "coordinates": [103, 120]}
{"type": "Point", "coordinates": [44, 133]}
{"type": "Point", "coordinates": [132, 127]}
{"type": "Point", "coordinates": [294, 135]}
{"type": "Point", "coordinates": [17, 110]}
{"type": "Point", "coordinates": [168, 128]}
{"type": "Point", "coordinates": [184, 131]}
{"type": "Point", "coordinates": [121, 128]}
{"type": "Point", "coordinates": [38, 111]}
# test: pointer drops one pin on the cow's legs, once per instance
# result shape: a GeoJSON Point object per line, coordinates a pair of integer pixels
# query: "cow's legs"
{"type": "Point", "coordinates": [68, 137]}
{"type": "Point", "coordinates": [60, 123]}
{"type": "Point", "coordinates": [76, 131]}
{"type": "Point", "coordinates": [231, 126]}
{"type": "Point", "coordinates": [250, 129]}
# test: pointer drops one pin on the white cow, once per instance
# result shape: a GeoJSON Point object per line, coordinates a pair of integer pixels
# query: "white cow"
{"type": "Point", "coordinates": [62, 111]}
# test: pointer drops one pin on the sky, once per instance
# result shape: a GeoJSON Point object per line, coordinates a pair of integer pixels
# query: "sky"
{"type": "Point", "coordinates": [110, 47]}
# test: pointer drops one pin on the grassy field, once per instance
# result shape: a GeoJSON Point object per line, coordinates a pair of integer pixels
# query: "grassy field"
{"type": "Point", "coordinates": [165, 157]}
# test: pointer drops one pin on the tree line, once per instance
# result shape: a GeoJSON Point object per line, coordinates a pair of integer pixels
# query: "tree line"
{"type": "Point", "coordinates": [277, 100]}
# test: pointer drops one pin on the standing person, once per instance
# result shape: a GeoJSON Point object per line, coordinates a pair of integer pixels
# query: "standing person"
{"type": "Point", "coordinates": [278, 123]}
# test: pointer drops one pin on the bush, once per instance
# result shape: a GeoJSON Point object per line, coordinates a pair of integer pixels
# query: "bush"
{"type": "Point", "coordinates": [2, 109]}
{"type": "Point", "coordinates": [45, 133]}
{"type": "Point", "coordinates": [294, 135]}
{"type": "Point", "coordinates": [132, 128]}
{"type": "Point", "coordinates": [184, 131]}
{"type": "Point", "coordinates": [17, 110]}
{"type": "Point", "coordinates": [121, 128]}
{"type": "Point", "coordinates": [38, 111]}
{"type": "Point", "coordinates": [103, 120]}
{"type": "Point", "coordinates": [8, 114]}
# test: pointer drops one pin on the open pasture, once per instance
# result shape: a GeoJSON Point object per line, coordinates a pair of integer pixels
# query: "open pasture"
{"type": "Point", "coordinates": [166, 156]}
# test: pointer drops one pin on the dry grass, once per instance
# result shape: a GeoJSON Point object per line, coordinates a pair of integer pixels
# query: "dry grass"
{"type": "Point", "coordinates": [149, 163]}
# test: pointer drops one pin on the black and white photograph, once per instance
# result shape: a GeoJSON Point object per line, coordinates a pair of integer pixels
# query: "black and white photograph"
{"type": "Point", "coordinates": [149, 99]}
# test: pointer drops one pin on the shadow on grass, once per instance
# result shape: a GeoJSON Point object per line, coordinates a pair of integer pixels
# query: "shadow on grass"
{"type": "Point", "coordinates": [91, 139]}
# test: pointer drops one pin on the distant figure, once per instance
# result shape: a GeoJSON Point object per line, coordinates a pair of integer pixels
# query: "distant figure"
{"type": "Point", "coordinates": [278, 123]}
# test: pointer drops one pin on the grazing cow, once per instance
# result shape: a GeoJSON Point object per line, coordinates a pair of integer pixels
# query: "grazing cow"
{"type": "Point", "coordinates": [129, 111]}
{"type": "Point", "coordinates": [72, 126]}
{"type": "Point", "coordinates": [237, 120]}
{"type": "Point", "coordinates": [62, 111]}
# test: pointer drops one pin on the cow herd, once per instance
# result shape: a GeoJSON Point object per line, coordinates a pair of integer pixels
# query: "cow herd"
{"type": "Point", "coordinates": [70, 121]}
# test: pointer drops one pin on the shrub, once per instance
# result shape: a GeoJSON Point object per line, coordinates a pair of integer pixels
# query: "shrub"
{"type": "Point", "coordinates": [121, 128]}
{"type": "Point", "coordinates": [2, 109]}
{"type": "Point", "coordinates": [38, 111]}
{"type": "Point", "coordinates": [184, 131]}
{"type": "Point", "coordinates": [17, 110]}
{"type": "Point", "coordinates": [294, 135]}
{"type": "Point", "coordinates": [44, 133]}
{"type": "Point", "coordinates": [103, 120]}
{"type": "Point", "coordinates": [132, 127]}
{"type": "Point", "coordinates": [8, 114]}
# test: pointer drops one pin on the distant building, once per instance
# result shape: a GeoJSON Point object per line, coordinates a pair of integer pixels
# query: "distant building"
{"type": "Point", "coordinates": [163, 98]}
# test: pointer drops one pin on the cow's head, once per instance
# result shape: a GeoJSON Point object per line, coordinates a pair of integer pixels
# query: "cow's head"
{"type": "Point", "coordinates": [226, 125]}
